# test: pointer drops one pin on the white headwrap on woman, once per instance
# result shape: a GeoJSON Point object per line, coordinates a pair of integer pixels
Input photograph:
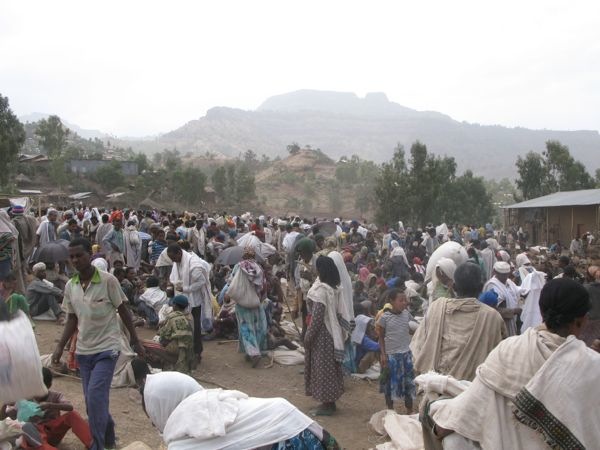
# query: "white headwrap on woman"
{"type": "Point", "coordinates": [100, 264]}
{"type": "Point", "coordinates": [398, 251]}
{"type": "Point", "coordinates": [163, 392]}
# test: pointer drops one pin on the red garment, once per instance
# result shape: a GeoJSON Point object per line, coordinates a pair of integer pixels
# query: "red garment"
{"type": "Point", "coordinates": [71, 360]}
{"type": "Point", "coordinates": [115, 215]}
{"type": "Point", "coordinates": [53, 431]}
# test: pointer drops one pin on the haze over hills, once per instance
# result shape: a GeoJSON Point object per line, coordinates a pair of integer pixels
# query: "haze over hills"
{"type": "Point", "coordinates": [84, 133]}
{"type": "Point", "coordinates": [344, 124]}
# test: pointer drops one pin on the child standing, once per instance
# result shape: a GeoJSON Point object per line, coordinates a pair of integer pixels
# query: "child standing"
{"type": "Point", "coordinates": [398, 378]}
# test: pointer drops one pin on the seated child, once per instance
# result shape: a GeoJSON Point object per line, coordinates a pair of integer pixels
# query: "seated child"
{"type": "Point", "coordinates": [53, 426]}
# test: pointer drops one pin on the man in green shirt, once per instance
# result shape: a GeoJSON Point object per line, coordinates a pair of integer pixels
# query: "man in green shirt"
{"type": "Point", "coordinates": [92, 300]}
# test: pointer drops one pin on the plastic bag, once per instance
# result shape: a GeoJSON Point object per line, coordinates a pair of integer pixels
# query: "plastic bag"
{"type": "Point", "coordinates": [20, 363]}
{"type": "Point", "coordinates": [242, 291]}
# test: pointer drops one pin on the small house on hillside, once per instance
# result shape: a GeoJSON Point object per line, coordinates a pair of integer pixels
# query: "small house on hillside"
{"type": "Point", "coordinates": [89, 166]}
{"type": "Point", "coordinates": [559, 216]}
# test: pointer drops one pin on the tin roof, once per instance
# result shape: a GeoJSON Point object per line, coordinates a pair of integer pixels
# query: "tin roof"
{"type": "Point", "coordinates": [566, 198]}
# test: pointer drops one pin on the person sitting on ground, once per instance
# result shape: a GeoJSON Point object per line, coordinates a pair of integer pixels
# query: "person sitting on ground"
{"type": "Point", "coordinates": [14, 301]}
{"type": "Point", "coordinates": [456, 335]}
{"type": "Point", "coordinates": [52, 425]}
{"type": "Point", "coordinates": [398, 377]}
{"type": "Point", "coordinates": [365, 340]}
{"type": "Point", "coordinates": [533, 390]}
{"type": "Point", "coordinates": [126, 286]}
{"type": "Point", "coordinates": [151, 301]}
{"type": "Point", "coordinates": [43, 296]}
{"type": "Point", "coordinates": [176, 336]}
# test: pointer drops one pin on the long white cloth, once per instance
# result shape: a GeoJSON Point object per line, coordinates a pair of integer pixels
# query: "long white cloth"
{"type": "Point", "coordinates": [398, 251]}
{"type": "Point", "coordinates": [346, 305]}
{"type": "Point", "coordinates": [566, 389]}
{"type": "Point", "coordinates": [323, 293]}
{"type": "Point", "coordinates": [193, 273]}
{"type": "Point", "coordinates": [362, 322]}
{"type": "Point", "coordinates": [532, 287]}
{"type": "Point", "coordinates": [163, 392]}
{"type": "Point", "coordinates": [259, 422]}
{"type": "Point", "coordinates": [154, 297]}
{"type": "Point", "coordinates": [133, 247]}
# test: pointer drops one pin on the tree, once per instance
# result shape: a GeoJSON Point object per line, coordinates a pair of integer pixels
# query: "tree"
{"type": "Point", "coordinates": [391, 189]}
{"type": "Point", "coordinates": [110, 176]}
{"type": "Point", "coordinates": [598, 178]}
{"type": "Point", "coordinates": [52, 136]}
{"type": "Point", "coordinates": [219, 182]}
{"type": "Point", "coordinates": [293, 148]}
{"type": "Point", "coordinates": [250, 158]}
{"type": "Point", "coordinates": [426, 190]}
{"type": "Point", "coordinates": [142, 161]}
{"type": "Point", "coordinates": [551, 171]}
{"type": "Point", "coordinates": [245, 187]}
{"type": "Point", "coordinates": [230, 190]}
{"type": "Point", "coordinates": [469, 201]}
{"type": "Point", "coordinates": [189, 185]}
{"type": "Point", "coordinates": [12, 138]}
{"type": "Point", "coordinates": [171, 159]}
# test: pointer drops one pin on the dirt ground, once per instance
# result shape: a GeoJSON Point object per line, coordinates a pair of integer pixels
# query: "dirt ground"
{"type": "Point", "coordinates": [223, 366]}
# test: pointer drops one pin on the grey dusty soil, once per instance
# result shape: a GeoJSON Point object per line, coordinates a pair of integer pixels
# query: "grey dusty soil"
{"type": "Point", "coordinates": [223, 366]}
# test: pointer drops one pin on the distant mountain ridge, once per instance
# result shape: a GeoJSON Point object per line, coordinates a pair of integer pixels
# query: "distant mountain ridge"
{"type": "Point", "coordinates": [344, 124]}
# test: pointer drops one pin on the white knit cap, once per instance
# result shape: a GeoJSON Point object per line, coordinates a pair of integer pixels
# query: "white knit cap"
{"type": "Point", "coordinates": [502, 267]}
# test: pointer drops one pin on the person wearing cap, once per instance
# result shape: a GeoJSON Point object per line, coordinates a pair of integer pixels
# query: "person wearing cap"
{"type": "Point", "coordinates": [508, 295]}
{"type": "Point", "coordinates": [457, 334]}
{"type": "Point", "coordinates": [43, 295]}
{"type": "Point", "coordinates": [176, 336]}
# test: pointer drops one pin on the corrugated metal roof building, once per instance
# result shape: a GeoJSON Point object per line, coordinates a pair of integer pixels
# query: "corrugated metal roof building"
{"type": "Point", "coordinates": [559, 216]}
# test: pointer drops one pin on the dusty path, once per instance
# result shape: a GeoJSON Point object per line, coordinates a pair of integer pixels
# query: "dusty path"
{"type": "Point", "coordinates": [222, 365]}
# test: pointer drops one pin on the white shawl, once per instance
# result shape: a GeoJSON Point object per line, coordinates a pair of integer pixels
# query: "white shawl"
{"type": "Point", "coordinates": [347, 305]}
{"type": "Point", "coordinates": [193, 274]}
{"type": "Point", "coordinates": [337, 327]}
{"type": "Point", "coordinates": [230, 420]}
{"type": "Point", "coordinates": [163, 392]}
{"type": "Point", "coordinates": [484, 411]}
{"type": "Point", "coordinates": [133, 247]}
{"type": "Point", "coordinates": [532, 287]}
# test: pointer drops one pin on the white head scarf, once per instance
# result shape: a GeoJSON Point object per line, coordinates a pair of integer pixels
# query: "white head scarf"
{"type": "Point", "coordinates": [163, 392]}
{"type": "Point", "coordinates": [100, 264]}
{"type": "Point", "coordinates": [346, 285]}
{"type": "Point", "coordinates": [447, 266]}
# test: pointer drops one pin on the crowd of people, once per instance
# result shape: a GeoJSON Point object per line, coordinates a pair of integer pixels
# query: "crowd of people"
{"type": "Point", "coordinates": [467, 302]}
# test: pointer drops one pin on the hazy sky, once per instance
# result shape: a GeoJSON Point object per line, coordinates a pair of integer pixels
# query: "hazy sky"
{"type": "Point", "coordinates": [144, 67]}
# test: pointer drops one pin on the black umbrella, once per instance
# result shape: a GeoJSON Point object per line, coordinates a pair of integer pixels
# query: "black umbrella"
{"type": "Point", "coordinates": [233, 255]}
{"type": "Point", "coordinates": [325, 229]}
{"type": "Point", "coordinates": [53, 252]}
